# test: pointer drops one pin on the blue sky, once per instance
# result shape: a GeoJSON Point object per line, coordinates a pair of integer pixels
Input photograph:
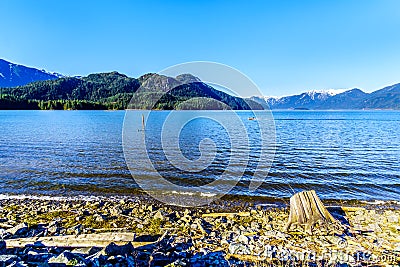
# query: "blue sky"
{"type": "Point", "coordinates": [285, 47]}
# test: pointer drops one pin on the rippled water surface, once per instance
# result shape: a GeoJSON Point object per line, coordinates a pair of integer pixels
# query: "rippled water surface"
{"type": "Point", "coordinates": [340, 154]}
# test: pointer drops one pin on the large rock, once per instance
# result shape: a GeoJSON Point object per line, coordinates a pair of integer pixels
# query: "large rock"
{"type": "Point", "coordinates": [35, 257]}
{"type": "Point", "coordinates": [97, 259]}
{"type": "Point", "coordinates": [6, 260]}
{"type": "Point", "coordinates": [113, 250]}
{"type": "Point", "coordinates": [68, 258]}
{"type": "Point", "coordinates": [86, 251]}
{"type": "Point", "coordinates": [19, 230]}
{"type": "Point", "coordinates": [114, 260]}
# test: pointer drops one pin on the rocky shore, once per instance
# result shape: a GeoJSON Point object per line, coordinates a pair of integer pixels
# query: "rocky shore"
{"type": "Point", "coordinates": [138, 232]}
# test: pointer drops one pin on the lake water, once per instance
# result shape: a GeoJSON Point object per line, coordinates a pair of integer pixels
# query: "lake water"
{"type": "Point", "coordinates": [340, 154]}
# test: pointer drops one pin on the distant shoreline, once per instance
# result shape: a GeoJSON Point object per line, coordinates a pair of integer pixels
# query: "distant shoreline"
{"type": "Point", "coordinates": [227, 202]}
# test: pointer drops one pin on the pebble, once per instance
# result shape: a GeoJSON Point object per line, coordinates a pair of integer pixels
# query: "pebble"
{"type": "Point", "coordinates": [393, 218]}
{"type": "Point", "coordinates": [99, 217]}
{"type": "Point", "coordinates": [238, 248]}
{"type": "Point", "coordinates": [159, 216]}
{"type": "Point", "coordinates": [243, 239]}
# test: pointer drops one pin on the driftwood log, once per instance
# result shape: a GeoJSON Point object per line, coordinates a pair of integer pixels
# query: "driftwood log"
{"type": "Point", "coordinates": [307, 209]}
{"type": "Point", "coordinates": [78, 241]}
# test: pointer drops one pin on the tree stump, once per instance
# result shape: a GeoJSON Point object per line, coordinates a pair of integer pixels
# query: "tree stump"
{"type": "Point", "coordinates": [307, 209]}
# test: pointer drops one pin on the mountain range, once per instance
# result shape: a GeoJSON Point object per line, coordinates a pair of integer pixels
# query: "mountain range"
{"type": "Point", "coordinates": [113, 91]}
{"type": "Point", "coordinates": [29, 88]}
{"type": "Point", "coordinates": [386, 98]}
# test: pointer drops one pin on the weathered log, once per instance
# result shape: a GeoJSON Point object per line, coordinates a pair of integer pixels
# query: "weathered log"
{"type": "Point", "coordinates": [78, 241]}
{"type": "Point", "coordinates": [307, 209]}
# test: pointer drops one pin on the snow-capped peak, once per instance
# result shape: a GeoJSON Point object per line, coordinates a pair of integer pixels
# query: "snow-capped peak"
{"type": "Point", "coordinates": [58, 75]}
{"type": "Point", "coordinates": [273, 97]}
{"type": "Point", "coordinates": [312, 94]}
{"type": "Point", "coordinates": [322, 94]}
{"type": "Point", "coordinates": [330, 92]}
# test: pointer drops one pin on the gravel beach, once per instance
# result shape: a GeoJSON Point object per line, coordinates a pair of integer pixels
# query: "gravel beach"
{"type": "Point", "coordinates": [40, 231]}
